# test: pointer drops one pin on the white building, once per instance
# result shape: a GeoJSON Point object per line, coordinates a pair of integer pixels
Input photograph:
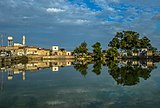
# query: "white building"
{"type": "Point", "coordinates": [55, 48]}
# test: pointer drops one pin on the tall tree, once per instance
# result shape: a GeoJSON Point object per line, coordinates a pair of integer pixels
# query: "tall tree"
{"type": "Point", "coordinates": [129, 41]}
{"type": "Point", "coordinates": [82, 49]}
{"type": "Point", "coordinates": [97, 51]}
{"type": "Point", "coordinates": [112, 53]}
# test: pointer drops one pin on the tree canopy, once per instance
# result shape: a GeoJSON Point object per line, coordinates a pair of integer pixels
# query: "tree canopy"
{"type": "Point", "coordinates": [130, 40]}
{"type": "Point", "coordinates": [82, 49]}
{"type": "Point", "coordinates": [97, 51]}
{"type": "Point", "coordinates": [112, 52]}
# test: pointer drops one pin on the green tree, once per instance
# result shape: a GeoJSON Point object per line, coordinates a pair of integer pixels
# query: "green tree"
{"type": "Point", "coordinates": [97, 51]}
{"type": "Point", "coordinates": [129, 41]}
{"type": "Point", "coordinates": [62, 49]}
{"type": "Point", "coordinates": [112, 53]}
{"type": "Point", "coordinates": [81, 50]}
{"type": "Point", "coordinates": [84, 48]}
{"type": "Point", "coordinates": [145, 42]}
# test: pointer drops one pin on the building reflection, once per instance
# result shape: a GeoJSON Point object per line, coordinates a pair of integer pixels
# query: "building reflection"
{"type": "Point", "coordinates": [126, 73]}
{"type": "Point", "coordinates": [33, 66]}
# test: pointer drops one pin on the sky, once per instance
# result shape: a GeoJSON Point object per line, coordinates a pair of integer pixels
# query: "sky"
{"type": "Point", "coordinates": [67, 23]}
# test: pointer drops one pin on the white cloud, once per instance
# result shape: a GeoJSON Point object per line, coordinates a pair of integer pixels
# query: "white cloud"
{"type": "Point", "coordinates": [110, 9]}
{"type": "Point", "coordinates": [81, 21]}
{"type": "Point", "coordinates": [114, 15]}
{"type": "Point", "coordinates": [54, 10]}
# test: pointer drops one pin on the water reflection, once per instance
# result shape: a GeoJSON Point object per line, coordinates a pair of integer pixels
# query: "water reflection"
{"type": "Point", "coordinates": [97, 67]}
{"type": "Point", "coordinates": [43, 88]}
{"type": "Point", "coordinates": [81, 67]}
{"type": "Point", "coordinates": [124, 73]}
{"type": "Point", "coordinates": [32, 66]}
{"type": "Point", "coordinates": [130, 72]}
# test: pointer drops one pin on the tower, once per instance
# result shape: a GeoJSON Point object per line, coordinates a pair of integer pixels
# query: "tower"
{"type": "Point", "coordinates": [24, 40]}
{"type": "Point", "coordinates": [10, 41]}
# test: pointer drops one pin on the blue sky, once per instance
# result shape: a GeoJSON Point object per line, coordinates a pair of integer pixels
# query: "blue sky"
{"type": "Point", "coordinates": [67, 23]}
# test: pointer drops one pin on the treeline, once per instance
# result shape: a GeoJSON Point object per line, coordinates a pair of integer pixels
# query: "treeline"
{"type": "Point", "coordinates": [125, 41]}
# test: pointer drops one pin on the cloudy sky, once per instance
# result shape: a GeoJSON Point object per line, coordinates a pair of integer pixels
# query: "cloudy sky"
{"type": "Point", "coordinates": [67, 23]}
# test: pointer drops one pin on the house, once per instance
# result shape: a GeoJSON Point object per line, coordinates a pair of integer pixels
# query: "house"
{"type": "Point", "coordinates": [145, 52]}
{"type": "Point", "coordinates": [56, 51]}
{"type": "Point", "coordinates": [149, 53]}
{"type": "Point", "coordinates": [43, 52]}
{"type": "Point", "coordinates": [124, 54]}
{"type": "Point", "coordinates": [135, 54]}
{"type": "Point", "coordinates": [4, 53]}
{"type": "Point", "coordinates": [20, 51]}
{"type": "Point", "coordinates": [31, 50]}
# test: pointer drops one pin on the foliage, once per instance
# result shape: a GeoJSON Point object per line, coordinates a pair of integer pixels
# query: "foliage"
{"type": "Point", "coordinates": [62, 49]}
{"type": "Point", "coordinates": [82, 68]}
{"type": "Point", "coordinates": [128, 74]}
{"type": "Point", "coordinates": [97, 51]}
{"type": "Point", "coordinates": [129, 40]}
{"type": "Point", "coordinates": [82, 49]}
{"type": "Point", "coordinates": [112, 52]}
{"type": "Point", "coordinates": [97, 67]}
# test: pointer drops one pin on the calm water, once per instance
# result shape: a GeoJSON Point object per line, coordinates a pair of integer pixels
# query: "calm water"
{"type": "Point", "coordinates": [79, 86]}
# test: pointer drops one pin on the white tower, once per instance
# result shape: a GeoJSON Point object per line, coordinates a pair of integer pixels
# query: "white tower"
{"type": "Point", "coordinates": [10, 41]}
{"type": "Point", "coordinates": [24, 40]}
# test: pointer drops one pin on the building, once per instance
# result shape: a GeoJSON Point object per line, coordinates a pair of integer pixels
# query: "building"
{"type": "Point", "coordinates": [20, 51]}
{"type": "Point", "coordinates": [43, 52]}
{"type": "Point", "coordinates": [17, 44]}
{"type": "Point", "coordinates": [31, 50]}
{"type": "Point", "coordinates": [149, 53]}
{"type": "Point", "coordinates": [56, 51]}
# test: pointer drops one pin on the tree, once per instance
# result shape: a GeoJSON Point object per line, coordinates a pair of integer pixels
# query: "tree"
{"type": "Point", "coordinates": [97, 51]}
{"type": "Point", "coordinates": [145, 42]}
{"type": "Point", "coordinates": [62, 49]}
{"type": "Point", "coordinates": [112, 53]}
{"type": "Point", "coordinates": [114, 43]}
{"type": "Point", "coordinates": [82, 49]}
{"type": "Point", "coordinates": [129, 41]}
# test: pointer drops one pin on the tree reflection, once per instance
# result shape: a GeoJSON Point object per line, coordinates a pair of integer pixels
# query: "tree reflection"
{"type": "Point", "coordinates": [97, 67]}
{"type": "Point", "coordinates": [81, 67]}
{"type": "Point", "coordinates": [130, 73]}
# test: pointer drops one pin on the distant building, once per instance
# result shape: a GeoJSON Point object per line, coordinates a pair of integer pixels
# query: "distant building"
{"type": "Point", "coordinates": [43, 52]}
{"type": "Point", "coordinates": [17, 44]}
{"type": "Point", "coordinates": [55, 48]}
{"type": "Point", "coordinates": [145, 52]}
{"type": "Point", "coordinates": [56, 51]}
{"type": "Point", "coordinates": [31, 50]}
{"type": "Point", "coordinates": [135, 54]}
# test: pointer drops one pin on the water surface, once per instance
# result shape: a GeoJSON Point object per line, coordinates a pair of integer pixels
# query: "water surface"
{"type": "Point", "coordinates": [93, 86]}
